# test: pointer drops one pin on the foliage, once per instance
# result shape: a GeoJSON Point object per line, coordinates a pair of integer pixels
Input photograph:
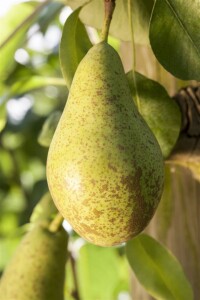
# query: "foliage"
{"type": "Point", "coordinates": [163, 276]}
{"type": "Point", "coordinates": [178, 23]}
{"type": "Point", "coordinates": [154, 101]}
{"type": "Point", "coordinates": [72, 48]}
{"type": "Point", "coordinates": [32, 90]}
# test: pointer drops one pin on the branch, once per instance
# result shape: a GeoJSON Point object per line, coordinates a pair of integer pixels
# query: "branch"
{"type": "Point", "coordinates": [188, 144]}
{"type": "Point", "coordinates": [75, 292]}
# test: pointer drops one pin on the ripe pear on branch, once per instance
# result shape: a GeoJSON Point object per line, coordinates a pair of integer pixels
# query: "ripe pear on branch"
{"type": "Point", "coordinates": [105, 167]}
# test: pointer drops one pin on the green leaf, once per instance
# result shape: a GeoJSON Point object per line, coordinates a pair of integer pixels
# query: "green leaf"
{"type": "Point", "coordinates": [174, 37]}
{"type": "Point", "coordinates": [3, 116]}
{"type": "Point", "coordinates": [48, 15]}
{"type": "Point", "coordinates": [8, 24]}
{"type": "Point", "coordinates": [93, 14]}
{"type": "Point", "coordinates": [73, 47]}
{"type": "Point", "coordinates": [159, 111]}
{"type": "Point", "coordinates": [48, 129]}
{"type": "Point", "coordinates": [102, 273]}
{"type": "Point", "coordinates": [157, 269]}
{"type": "Point", "coordinates": [31, 83]}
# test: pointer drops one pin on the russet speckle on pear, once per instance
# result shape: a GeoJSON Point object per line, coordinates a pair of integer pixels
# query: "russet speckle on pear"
{"type": "Point", "coordinates": [104, 167]}
{"type": "Point", "coordinates": [37, 269]}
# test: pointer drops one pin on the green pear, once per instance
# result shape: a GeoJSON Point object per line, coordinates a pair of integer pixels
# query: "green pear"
{"type": "Point", "coordinates": [104, 168]}
{"type": "Point", "coordinates": [37, 269]}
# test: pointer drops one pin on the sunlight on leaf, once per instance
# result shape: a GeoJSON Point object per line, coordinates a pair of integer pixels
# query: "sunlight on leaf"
{"type": "Point", "coordinates": [8, 23]}
{"type": "Point", "coordinates": [102, 273]}
{"type": "Point", "coordinates": [34, 82]}
{"type": "Point", "coordinates": [157, 269]}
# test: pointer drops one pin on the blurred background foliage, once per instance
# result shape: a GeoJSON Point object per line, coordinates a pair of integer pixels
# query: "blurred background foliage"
{"type": "Point", "coordinates": [22, 163]}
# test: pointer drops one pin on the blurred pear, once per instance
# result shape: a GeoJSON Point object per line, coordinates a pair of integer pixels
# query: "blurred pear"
{"type": "Point", "coordinates": [37, 269]}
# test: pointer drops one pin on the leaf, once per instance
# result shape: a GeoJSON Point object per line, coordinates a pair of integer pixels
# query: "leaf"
{"type": "Point", "coordinates": [3, 116]}
{"type": "Point", "coordinates": [157, 269]}
{"type": "Point", "coordinates": [34, 82]}
{"type": "Point", "coordinates": [93, 13]}
{"type": "Point", "coordinates": [73, 47]}
{"type": "Point", "coordinates": [174, 37]}
{"type": "Point", "coordinates": [8, 23]}
{"type": "Point", "coordinates": [48, 129]}
{"type": "Point", "coordinates": [159, 111]}
{"type": "Point", "coordinates": [102, 273]}
{"type": "Point", "coordinates": [49, 14]}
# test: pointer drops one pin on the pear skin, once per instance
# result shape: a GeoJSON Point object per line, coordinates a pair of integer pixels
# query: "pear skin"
{"type": "Point", "coordinates": [37, 269]}
{"type": "Point", "coordinates": [104, 168]}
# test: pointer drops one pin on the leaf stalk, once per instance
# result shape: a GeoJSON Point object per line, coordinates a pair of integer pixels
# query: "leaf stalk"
{"type": "Point", "coordinates": [130, 9]}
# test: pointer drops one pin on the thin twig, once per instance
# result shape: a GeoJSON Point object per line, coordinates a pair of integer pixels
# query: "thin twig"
{"type": "Point", "coordinates": [75, 292]}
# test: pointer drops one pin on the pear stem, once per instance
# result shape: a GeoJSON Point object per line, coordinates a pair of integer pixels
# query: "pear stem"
{"type": "Point", "coordinates": [56, 224]}
{"type": "Point", "coordinates": [109, 9]}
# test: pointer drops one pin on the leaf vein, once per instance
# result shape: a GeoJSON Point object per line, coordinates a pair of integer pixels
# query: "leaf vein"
{"type": "Point", "coordinates": [182, 25]}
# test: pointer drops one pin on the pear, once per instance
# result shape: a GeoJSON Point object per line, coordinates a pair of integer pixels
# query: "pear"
{"type": "Point", "coordinates": [104, 168]}
{"type": "Point", "coordinates": [37, 269]}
